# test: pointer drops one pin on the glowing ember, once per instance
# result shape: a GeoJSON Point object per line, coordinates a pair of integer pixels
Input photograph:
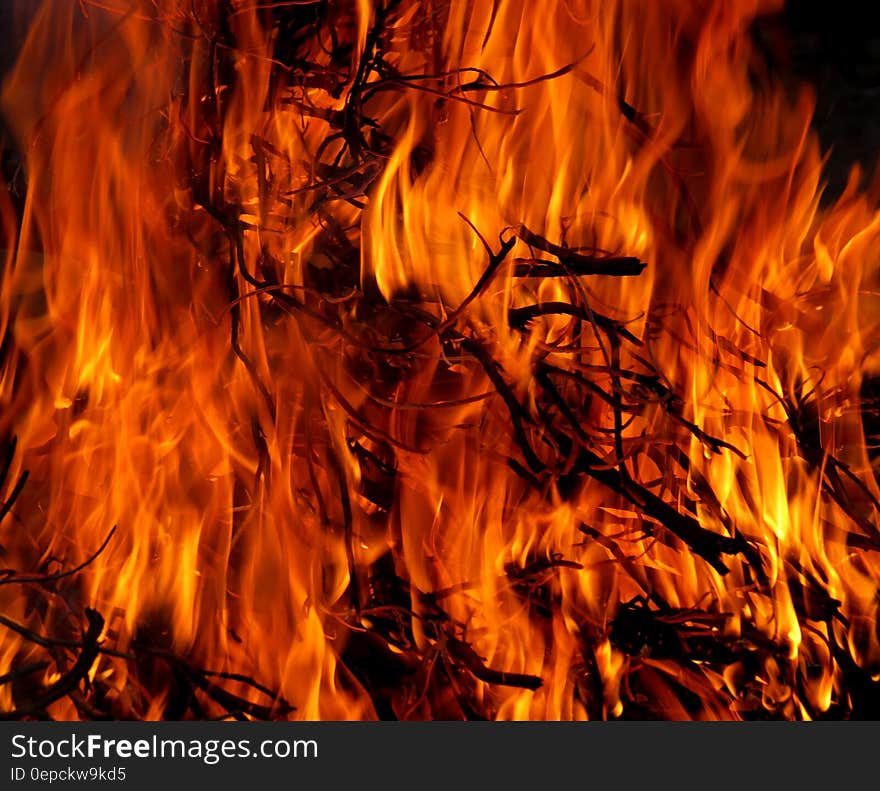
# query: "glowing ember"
{"type": "Point", "coordinates": [430, 360]}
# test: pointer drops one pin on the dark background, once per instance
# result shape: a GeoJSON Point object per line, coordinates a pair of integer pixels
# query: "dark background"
{"type": "Point", "coordinates": [835, 45]}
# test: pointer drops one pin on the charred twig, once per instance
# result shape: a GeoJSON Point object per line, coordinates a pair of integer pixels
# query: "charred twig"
{"type": "Point", "coordinates": [517, 414]}
{"type": "Point", "coordinates": [495, 261]}
{"type": "Point", "coordinates": [43, 579]}
{"type": "Point", "coordinates": [520, 317]}
{"type": "Point", "coordinates": [577, 263]}
{"type": "Point", "coordinates": [470, 659]}
{"type": "Point", "coordinates": [705, 543]}
{"type": "Point", "coordinates": [70, 680]}
{"type": "Point", "coordinates": [24, 670]}
{"type": "Point", "coordinates": [806, 434]}
{"type": "Point", "coordinates": [6, 505]}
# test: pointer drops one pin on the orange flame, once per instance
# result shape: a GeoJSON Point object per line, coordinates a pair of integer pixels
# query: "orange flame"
{"type": "Point", "coordinates": [258, 336]}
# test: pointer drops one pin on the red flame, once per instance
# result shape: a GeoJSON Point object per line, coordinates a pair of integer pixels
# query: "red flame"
{"type": "Point", "coordinates": [302, 300]}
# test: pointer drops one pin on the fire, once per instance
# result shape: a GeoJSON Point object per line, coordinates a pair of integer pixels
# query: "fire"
{"type": "Point", "coordinates": [431, 360]}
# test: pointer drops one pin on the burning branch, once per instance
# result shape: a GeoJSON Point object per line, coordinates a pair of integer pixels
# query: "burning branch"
{"type": "Point", "coordinates": [361, 459]}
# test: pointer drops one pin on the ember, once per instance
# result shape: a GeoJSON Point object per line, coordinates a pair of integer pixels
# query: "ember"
{"type": "Point", "coordinates": [431, 360]}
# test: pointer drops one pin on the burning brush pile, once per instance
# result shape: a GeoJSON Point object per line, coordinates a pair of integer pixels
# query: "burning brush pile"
{"type": "Point", "coordinates": [431, 359]}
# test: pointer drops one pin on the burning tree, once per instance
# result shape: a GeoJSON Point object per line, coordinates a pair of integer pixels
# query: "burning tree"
{"type": "Point", "coordinates": [430, 360]}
